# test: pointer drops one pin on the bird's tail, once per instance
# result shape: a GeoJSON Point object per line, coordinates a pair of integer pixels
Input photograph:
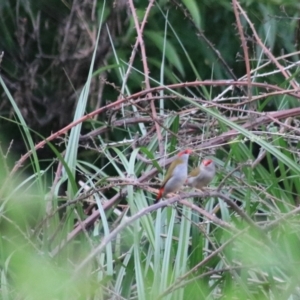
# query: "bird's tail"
{"type": "Point", "coordinates": [159, 195]}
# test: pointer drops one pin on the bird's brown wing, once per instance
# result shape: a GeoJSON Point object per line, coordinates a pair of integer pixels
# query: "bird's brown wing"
{"type": "Point", "coordinates": [170, 170]}
{"type": "Point", "coordinates": [195, 172]}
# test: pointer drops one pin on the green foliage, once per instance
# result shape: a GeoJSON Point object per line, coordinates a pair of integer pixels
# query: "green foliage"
{"type": "Point", "coordinates": [80, 224]}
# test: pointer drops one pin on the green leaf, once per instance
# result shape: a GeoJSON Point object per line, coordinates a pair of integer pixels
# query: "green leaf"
{"type": "Point", "coordinates": [174, 139]}
{"type": "Point", "coordinates": [170, 51]}
{"type": "Point", "coordinates": [194, 11]}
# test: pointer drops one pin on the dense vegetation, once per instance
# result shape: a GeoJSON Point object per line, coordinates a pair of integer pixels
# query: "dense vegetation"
{"type": "Point", "coordinates": [97, 97]}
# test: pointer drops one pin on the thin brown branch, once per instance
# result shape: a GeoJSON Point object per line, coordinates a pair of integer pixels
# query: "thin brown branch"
{"type": "Point", "coordinates": [204, 213]}
{"type": "Point", "coordinates": [135, 47]}
{"type": "Point", "coordinates": [244, 46]}
{"type": "Point", "coordinates": [116, 105]}
{"type": "Point", "coordinates": [266, 50]}
{"type": "Point", "coordinates": [146, 69]}
{"type": "Point", "coordinates": [236, 208]}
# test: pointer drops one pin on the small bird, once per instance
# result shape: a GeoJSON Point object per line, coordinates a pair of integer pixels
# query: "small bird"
{"type": "Point", "coordinates": [176, 175]}
{"type": "Point", "coordinates": [202, 175]}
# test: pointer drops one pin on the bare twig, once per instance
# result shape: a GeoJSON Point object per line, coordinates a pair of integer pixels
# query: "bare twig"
{"type": "Point", "coordinates": [146, 69]}
{"type": "Point", "coordinates": [266, 50]}
{"type": "Point", "coordinates": [277, 114]}
{"type": "Point", "coordinates": [245, 48]}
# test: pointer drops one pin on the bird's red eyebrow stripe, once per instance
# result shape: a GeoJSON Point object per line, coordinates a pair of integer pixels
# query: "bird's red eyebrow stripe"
{"type": "Point", "coordinates": [207, 162]}
{"type": "Point", "coordinates": [187, 151]}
